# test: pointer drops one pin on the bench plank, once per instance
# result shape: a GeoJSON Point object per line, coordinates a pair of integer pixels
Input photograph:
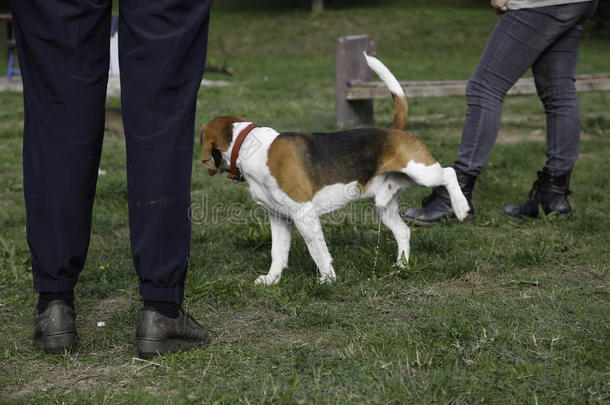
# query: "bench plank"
{"type": "Point", "coordinates": [360, 90]}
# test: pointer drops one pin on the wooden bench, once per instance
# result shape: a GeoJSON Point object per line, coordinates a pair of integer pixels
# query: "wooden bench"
{"type": "Point", "coordinates": [355, 90]}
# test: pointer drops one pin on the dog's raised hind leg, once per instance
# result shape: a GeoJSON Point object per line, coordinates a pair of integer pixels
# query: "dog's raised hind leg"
{"type": "Point", "coordinates": [308, 225]}
{"type": "Point", "coordinates": [281, 233]}
{"type": "Point", "coordinates": [458, 200]}
{"type": "Point", "coordinates": [435, 175]}
{"type": "Point", "coordinates": [391, 218]}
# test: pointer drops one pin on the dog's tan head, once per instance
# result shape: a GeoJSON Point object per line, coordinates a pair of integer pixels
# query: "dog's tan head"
{"type": "Point", "coordinates": [216, 137]}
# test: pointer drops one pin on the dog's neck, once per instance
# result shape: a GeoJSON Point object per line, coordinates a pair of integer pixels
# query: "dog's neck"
{"type": "Point", "coordinates": [226, 155]}
{"type": "Point", "coordinates": [252, 158]}
{"type": "Point", "coordinates": [237, 128]}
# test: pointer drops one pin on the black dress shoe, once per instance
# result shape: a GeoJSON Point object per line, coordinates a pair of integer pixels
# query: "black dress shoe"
{"type": "Point", "coordinates": [158, 334]}
{"type": "Point", "coordinates": [549, 192]}
{"type": "Point", "coordinates": [55, 328]}
{"type": "Point", "coordinates": [437, 206]}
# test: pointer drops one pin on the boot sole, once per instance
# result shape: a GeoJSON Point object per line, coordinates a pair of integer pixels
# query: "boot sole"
{"type": "Point", "coordinates": [416, 222]}
{"type": "Point", "coordinates": [521, 216]}
{"type": "Point", "coordinates": [550, 214]}
{"type": "Point", "coordinates": [57, 344]}
{"type": "Point", "coordinates": [147, 349]}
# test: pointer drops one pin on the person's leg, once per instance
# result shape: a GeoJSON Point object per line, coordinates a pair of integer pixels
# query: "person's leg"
{"type": "Point", "coordinates": [554, 73]}
{"type": "Point", "coordinates": [516, 42]}
{"type": "Point", "coordinates": [162, 51]}
{"type": "Point", "coordinates": [63, 55]}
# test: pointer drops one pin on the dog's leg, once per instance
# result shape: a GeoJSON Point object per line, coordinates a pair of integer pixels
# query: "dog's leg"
{"type": "Point", "coordinates": [391, 218]}
{"type": "Point", "coordinates": [434, 175]}
{"type": "Point", "coordinates": [281, 232]}
{"type": "Point", "coordinates": [308, 225]}
{"type": "Point", "coordinates": [458, 200]}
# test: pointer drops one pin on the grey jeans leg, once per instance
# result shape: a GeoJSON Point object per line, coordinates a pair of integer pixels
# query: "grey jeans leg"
{"type": "Point", "coordinates": [546, 38]}
{"type": "Point", "coordinates": [554, 74]}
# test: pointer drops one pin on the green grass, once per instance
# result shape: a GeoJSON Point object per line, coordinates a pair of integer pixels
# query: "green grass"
{"type": "Point", "coordinates": [502, 311]}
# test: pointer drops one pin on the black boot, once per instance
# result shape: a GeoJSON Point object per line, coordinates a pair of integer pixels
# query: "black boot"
{"type": "Point", "coordinates": [437, 205]}
{"type": "Point", "coordinates": [550, 191]}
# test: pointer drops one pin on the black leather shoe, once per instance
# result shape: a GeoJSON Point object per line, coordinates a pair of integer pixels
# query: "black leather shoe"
{"type": "Point", "coordinates": [437, 206]}
{"type": "Point", "coordinates": [158, 334]}
{"type": "Point", "coordinates": [55, 328]}
{"type": "Point", "coordinates": [550, 191]}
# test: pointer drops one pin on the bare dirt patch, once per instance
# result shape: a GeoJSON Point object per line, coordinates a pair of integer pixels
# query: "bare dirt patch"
{"type": "Point", "coordinates": [258, 328]}
{"type": "Point", "coordinates": [471, 282]}
{"type": "Point", "coordinates": [65, 378]}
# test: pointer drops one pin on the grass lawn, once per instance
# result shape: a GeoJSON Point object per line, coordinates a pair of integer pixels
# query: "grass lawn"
{"type": "Point", "coordinates": [502, 311]}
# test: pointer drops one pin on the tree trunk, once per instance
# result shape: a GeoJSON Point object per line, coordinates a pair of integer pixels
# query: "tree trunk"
{"type": "Point", "coordinates": [317, 6]}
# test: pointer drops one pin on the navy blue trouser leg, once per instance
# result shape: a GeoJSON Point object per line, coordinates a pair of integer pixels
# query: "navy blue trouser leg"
{"type": "Point", "coordinates": [63, 56]}
{"type": "Point", "coordinates": [162, 50]}
{"type": "Point", "coordinates": [63, 48]}
{"type": "Point", "coordinates": [546, 39]}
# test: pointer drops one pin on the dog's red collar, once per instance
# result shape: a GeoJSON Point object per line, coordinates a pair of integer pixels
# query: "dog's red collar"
{"type": "Point", "coordinates": [235, 174]}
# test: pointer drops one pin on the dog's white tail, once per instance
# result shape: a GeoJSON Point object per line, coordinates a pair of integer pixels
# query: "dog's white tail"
{"type": "Point", "coordinates": [401, 107]}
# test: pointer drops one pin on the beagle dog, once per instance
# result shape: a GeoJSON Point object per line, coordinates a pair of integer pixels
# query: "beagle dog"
{"type": "Point", "coordinates": [299, 176]}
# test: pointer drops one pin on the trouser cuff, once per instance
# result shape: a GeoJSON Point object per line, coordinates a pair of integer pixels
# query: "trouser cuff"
{"type": "Point", "coordinates": [47, 285]}
{"type": "Point", "coordinates": [151, 293]}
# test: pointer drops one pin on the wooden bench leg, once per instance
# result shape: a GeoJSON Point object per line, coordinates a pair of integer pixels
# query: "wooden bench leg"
{"type": "Point", "coordinates": [350, 66]}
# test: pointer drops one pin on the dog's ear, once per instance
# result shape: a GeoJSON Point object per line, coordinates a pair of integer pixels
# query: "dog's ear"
{"type": "Point", "coordinates": [207, 147]}
{"type": "Point", "coordinates": [216, 137]}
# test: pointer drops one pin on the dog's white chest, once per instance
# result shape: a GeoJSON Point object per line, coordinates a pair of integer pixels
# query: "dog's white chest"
{"type": "Point", "coordinates": [253, 163]}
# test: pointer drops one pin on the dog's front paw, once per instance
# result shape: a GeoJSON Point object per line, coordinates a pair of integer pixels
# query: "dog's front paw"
{"type": "Point", "coordinates": [328, 278]}
{"type": "Point", "coordinates": [265, 279]}
{"type": "Point", "coordinates": [403, 260]}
